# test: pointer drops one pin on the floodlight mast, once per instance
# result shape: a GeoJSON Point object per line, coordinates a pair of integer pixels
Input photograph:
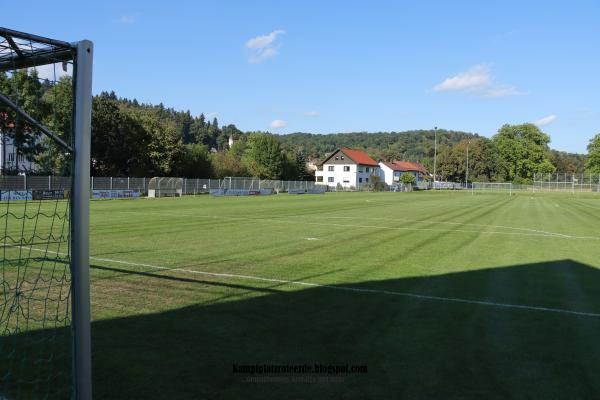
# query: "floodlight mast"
{"type": "Point", "coordinates": [467, 171]}
{"type": "Point", "coordinates": [434, 154]}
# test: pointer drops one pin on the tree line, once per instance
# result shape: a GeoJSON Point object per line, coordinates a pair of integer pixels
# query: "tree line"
{"type": "Point", "coordinates": [515, 153]}
{"type": "Point", "coordinates": [130, 138]}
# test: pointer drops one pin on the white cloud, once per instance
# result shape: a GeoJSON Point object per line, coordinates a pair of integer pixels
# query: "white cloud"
{"type": "Point", "coordinates": [501, 91]}
{"type": "Point", "coordinates": [127, 19]}
{"type": "Point", "coordinates": [312, 114]}
{"type": "Point", "coordinates": [278, 123]}
{"type": "Point", "coordinates": [478, 80]}
{"type": "Point", "coordinates": [263, 47]}
{"type": "Point", "coordinates": [546, 120]}
{"type": "Point", "coordinates": [475, 78]}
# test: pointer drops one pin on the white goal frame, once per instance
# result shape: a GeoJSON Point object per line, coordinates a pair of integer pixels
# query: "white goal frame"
{"type": "Point", "coordinates": [42, 51]}
{"type": "Point", "coordinates": [493, 187]}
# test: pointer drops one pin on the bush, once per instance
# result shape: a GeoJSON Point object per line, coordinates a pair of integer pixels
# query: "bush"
{"type": "Point", "coordinates": [408, 179]}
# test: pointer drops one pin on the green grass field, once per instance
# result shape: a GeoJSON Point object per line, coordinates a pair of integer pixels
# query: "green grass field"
{"type": "Point", "coordinates": [441, 295]}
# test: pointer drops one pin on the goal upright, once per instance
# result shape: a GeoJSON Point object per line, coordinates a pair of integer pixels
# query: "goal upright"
{"type": "Point", "coordinates": [31, 130]}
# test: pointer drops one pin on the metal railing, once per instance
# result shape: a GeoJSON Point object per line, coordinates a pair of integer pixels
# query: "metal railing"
{"type": "Point", "coordinates": [190, 186]}
{"type": "Point", "coordinates": [555, 182]}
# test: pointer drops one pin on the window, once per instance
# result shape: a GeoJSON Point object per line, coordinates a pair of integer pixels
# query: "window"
{"type": "Point", "coordinates": [319, 179]}
{"type": "Point", "coordinates": [341, 157]}
{"type": "Point", "coordinates": [337, 158]}
{"type": "Point", "coordinates": [20, 158]}
{"type": "Point", "coordinates": [346, 168]}
{"type": "Point", "coordinates": [367, 180]}
{"type": "Point", "coordinates": [359, 180]}
{"type": "Point", "coordinates": [368, 169]}
{"type": "Point", "coordinates": [330, 168]}
{"type": "Point", "coordinates": [11, 156]}
{"type": "Point", "coordinates": [330, 179]}
{"type": "Point", "coordinates": [361, 170]}
{"type": "Point", "coordinates": [346, 181]}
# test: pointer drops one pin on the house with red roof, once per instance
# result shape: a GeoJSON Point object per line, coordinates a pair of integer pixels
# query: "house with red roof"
{"type": "Point", "coordinates": [391, 171]}
{"type": "Point", "coordinates": [348, 168]}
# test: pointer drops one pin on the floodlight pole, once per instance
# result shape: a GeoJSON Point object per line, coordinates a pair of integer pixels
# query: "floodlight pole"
{"type": "Point", "coordinates": [467, 172]}
{"type": "Point", "coordinates": [434, 154]}
{"type": "Point", "coordinates": [80, 222]}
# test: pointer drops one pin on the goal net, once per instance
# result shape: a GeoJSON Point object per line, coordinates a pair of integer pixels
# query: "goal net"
{"type": "Point", "coordinates": [566, 182]}
{"type": "Point", "coordinates": [491, 187]}
{"type": "Point", "coordinates": [45, 116]}
{"type": "Point", "coordinates": [165, 187]}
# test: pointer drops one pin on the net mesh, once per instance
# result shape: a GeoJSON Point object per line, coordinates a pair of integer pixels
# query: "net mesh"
{"type": "Point", "coordinates": [35, 277]}
{"type": "Point", "coordinates": [492, 187]}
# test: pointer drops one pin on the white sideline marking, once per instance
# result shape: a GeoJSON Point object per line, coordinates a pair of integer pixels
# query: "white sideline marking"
{"type": "Point", "coordinates": [339, 287]}
{"type": "Point", "coordinates": [361, 290]}
{"type": "Point", "coordinates": [312, 238]}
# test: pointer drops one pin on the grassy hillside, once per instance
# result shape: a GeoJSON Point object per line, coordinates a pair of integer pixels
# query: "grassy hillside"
{"type": "Point", "coordinates": [411, 145]}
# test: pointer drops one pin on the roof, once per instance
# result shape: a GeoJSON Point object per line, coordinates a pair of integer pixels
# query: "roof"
{"type": "Point", "coordinates": [8, 124]}
{"type": "Point", "coordinates": [358, 156]}
{"type": "Point", "coordinates": [405, 166]}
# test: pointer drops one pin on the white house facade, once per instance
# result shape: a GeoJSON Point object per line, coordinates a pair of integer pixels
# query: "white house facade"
{"type": "Point", "coordinates": [347, 168]}
{"type": "Point", "coordinates": [11, 160]}
{"type": "Point", "coordinates": [391, 171]}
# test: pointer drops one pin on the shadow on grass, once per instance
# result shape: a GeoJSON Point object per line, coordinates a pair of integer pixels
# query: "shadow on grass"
{"type": "Point", "coordinates": [413, 348]}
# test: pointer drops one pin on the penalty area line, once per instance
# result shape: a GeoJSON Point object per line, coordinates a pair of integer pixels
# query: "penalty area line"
{"type": "Point", "coordinates": [361, 290]}
{"type": "Point", "coordinates": [487, 303]}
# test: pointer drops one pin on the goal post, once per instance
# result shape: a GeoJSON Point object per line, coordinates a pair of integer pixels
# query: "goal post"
{"type": "Point", "coordinates": [492, 187]}
{"type": "Point", "coordinates": [80, 212]}
{"type": "Point", "coordinates": [45, 279]}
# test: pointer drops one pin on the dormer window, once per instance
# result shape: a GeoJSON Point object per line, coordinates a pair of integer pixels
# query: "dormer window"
{"type": "Point", "coordinates": [341, 157]}
{"type": "Point", "coordinates": [337, 158]}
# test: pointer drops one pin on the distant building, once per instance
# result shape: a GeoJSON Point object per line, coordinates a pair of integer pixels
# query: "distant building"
{"type": "Point", "coordinates": [11, 160]}
{"type": "Point", "coordinates": [348, 168]}
{"type": "Point", "coordinates": [391, 171]}
{"type": "Point", "coordinates": [231, 141]}
{"type": "Point", "coordinates": [313, 165]}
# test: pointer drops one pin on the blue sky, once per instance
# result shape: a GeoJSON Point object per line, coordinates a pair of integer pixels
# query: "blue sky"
{"type": "Point", "coordinates": [321, 67]}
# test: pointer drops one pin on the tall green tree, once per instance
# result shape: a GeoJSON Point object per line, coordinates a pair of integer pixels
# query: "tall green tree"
{"type": "Point", "coordinates": [289, 170]}
{"type": "Point", "coordinates": [263, 156]}
{"type": "Point", "coordinates": [25, 88]}
{"type": "Point", "coordinates": [119, 141]}
{"type": "Point", "coordinates": [452, 161]}
{"type": "Point", "coordinates": [195, 162]}
{"type": "Point", "coordinates": [522, 152]}
{"type": "Point", "coordinates": [302, 173]}
{"type": "Point", "coordinates": [225, 163]}
{"type": "Point", "coordinates": [58, 98]}
{"type": "Point", "coordinates": [593, 159]}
